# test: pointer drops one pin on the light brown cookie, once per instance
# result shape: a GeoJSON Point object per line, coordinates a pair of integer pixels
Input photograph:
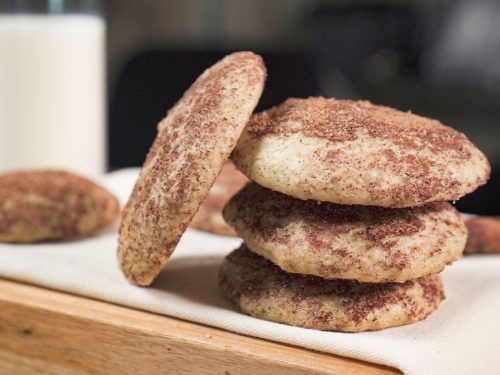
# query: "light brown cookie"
{"type": "Point", "coordinates": [52, 205]}
{"type": "Point", "coordinates": [364, 243]}
{"type": "Point", "coordinates": [261, 289]}
{"type": "Point", "coordinates": [484, 235]}
{"type": "Point", "coordinates": [209, 216]}
{"type": "Point", "coordinates": [354, 152]}
{"type": "Point", "coordinates": [193, 142]}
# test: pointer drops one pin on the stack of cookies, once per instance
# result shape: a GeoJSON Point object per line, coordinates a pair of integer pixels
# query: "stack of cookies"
{"type": "Point", "coordinates": [346, 224]}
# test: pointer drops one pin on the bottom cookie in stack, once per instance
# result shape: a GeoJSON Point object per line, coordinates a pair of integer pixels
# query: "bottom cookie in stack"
{"type": "Point", "coordinates": [263, 290]}
{"type": "Point", "coordinates": [338, 267]}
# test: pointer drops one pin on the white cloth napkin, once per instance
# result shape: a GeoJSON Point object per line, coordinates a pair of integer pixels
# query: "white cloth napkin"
{"type": "Point", "coordinates": [461, 337]}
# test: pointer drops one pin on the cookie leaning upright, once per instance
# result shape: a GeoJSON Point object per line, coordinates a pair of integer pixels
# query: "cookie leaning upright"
{"type": "Point", "coordinates": [355, 152]}
{"type": "Point", "coordinates": [193, 142]}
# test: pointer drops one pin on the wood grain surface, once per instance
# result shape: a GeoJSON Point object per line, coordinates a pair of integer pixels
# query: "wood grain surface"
{"type": "Point", "coordinates": [48, 332]}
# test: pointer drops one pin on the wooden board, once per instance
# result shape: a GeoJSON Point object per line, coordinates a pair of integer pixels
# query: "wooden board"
{"type": "Point", "coordinates": [47, 332]}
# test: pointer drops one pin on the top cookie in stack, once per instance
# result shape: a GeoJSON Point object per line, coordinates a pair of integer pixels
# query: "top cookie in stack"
{"type": "Point", "coordinates": [334, 261]}
{"type": "Point", "coordinates": [354, 152]}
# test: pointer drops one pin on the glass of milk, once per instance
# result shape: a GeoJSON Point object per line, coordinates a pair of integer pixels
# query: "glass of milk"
{"type": "Point", "coordinates": [52, 89]}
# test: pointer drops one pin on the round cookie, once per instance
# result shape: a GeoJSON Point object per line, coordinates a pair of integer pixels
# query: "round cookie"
{"type": "Point", "coordinates": [364, 243]}
{"type": "Point", "coordinates": [43, 205]}
{"type": "Point", "coordinates": [354, 152]}
{"type": "Point", "coordinates": [261, 289]}
{"type": "Point", "coordinates": [192, 144]}
{"type": "Point", "coordinates": [483, 235]}
{"type": "Point", "coordinates": [209, 216]}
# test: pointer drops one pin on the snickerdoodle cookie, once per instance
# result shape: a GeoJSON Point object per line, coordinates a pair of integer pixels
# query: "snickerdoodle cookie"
{"type": "Point", "coordinates": [483, 236]}
{"type": "Point", "coordinates": [364, 243]}
{"type": "Point", "coordinates": [42, 205]}
{"type": "Point", "coordinates": [193, 142]}
{"type": "Point", "coordinates": [354, 152]}
{"type": "Point", "coordinates": [261, 289]}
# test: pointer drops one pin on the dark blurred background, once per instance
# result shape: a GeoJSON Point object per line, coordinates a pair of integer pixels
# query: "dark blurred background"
{"type": "Point", "coordinates": [436, 58]}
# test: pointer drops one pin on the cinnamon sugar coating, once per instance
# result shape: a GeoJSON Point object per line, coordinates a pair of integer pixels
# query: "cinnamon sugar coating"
{"type": "Point", "coordinates": [193, 142]}
{"type": "Point", "coordinates": [355, 152]}
{"type": "Point", "coordinates": [42, 205]}
{"type": "Point", "coordinates": [261, 289]}
{"type": "Point", "coordinates": [364, 243]}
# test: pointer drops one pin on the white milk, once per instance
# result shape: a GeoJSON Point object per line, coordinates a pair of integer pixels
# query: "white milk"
{"type": "Point", "coordinates": [52, 92]}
